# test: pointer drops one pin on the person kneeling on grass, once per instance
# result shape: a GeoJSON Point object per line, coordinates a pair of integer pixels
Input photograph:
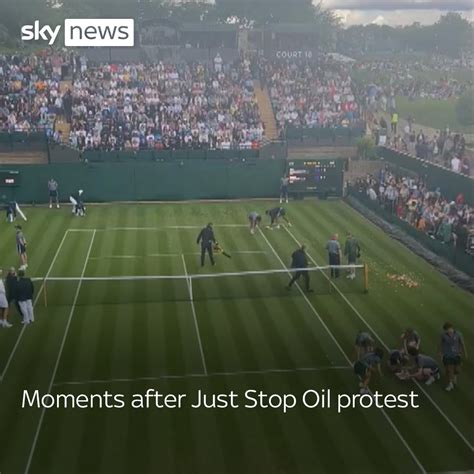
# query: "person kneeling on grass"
{"type": "Point", "coordinates": [410, 338]}
{"type": "Point", "coordinates": [254, 221]}
{"type": "Point", "coordinates": [397, 364]}
{"type": "Point", "coordinates": [299, 261]}
{"type": "Point", "coordinates": [366, 365]}
{"type": "Point", "coordinates": [364, 343]}
{"type": "Point", "coordinates": [451, 348]}
{"type": "Point", "coordinates": [275, 215]}
{"type": "Point", "coordinates": [426, 368]}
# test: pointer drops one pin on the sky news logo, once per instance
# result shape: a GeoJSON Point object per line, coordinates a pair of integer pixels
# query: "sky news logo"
{"type": "Point", "coordinates": [84, 32]}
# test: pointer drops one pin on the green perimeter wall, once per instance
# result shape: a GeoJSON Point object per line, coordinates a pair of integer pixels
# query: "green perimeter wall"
{"type": "Point", "coordinates": [149, 181]}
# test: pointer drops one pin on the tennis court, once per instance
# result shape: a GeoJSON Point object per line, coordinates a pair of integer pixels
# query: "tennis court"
{"type": "Point", "coordinates": [122, 305]}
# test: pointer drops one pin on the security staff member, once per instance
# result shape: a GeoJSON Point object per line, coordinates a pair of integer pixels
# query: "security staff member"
{"type": "Point", "coordinates": [299, 260]}
{"type": "Point", "coordinates": [334, 251]}
{"type": "Point", "coordinates": [206, 239]}
{"type": "Point", "coordinates": [11, 283]}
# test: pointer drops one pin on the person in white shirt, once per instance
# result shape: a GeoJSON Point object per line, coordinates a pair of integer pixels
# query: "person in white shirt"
{"type": "Point", "coordinates": [456, 164]}
{"type": "Point", "coordinates": [3, 305]}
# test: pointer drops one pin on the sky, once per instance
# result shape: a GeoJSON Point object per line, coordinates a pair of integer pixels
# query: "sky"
{"type": "Point", "coordinates": [397, 12]}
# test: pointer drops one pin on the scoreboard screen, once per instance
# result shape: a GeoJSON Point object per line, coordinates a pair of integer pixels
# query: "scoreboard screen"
{"type": "Point", "coordinates": [316, 175]}
{"type": "Point", "coordinates": [9, 179]}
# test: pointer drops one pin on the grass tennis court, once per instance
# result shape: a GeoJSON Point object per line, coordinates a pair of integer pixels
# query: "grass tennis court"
{"type": "Point", "coordinates": [237, 333]}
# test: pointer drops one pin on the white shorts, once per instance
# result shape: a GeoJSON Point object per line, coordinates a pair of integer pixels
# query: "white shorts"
{"type": "Point", "coordinates": [3, 301]}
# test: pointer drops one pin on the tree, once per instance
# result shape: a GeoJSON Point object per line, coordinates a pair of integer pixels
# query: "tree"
{"type": "Point", "coordinates": [261, 12]}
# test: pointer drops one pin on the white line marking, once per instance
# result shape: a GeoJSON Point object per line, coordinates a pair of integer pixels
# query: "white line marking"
{"type": "Point", "coordinates": [125, 257]}
{"type": "Point", "coordinates": [58, 358]}
{"type": "Point", "coordinates": [395, 429]}
{"type": "Point", "coordinates": [176, 227]}
{"type": "Point", "coordinates": [196, 326]}
{"type": "Point", "coordinates": [313, 309]}
{"type": "Point", "coordinates": [17, 343]}
{"type": "Point", "coordinates": [355, 310]}
{"type": "Point", "coordinates": [200, 375]}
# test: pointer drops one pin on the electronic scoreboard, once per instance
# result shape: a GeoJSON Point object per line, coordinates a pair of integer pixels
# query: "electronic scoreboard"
{"type": "Point", "coordinates": [9, 179]}
{"type": "Point", "coordinates": [320, 176]}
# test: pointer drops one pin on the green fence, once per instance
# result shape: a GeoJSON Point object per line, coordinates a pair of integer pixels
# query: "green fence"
{"type": "Point", "coordinates": [21, 141]}
{"type": "Point", "coordinates": [457, 256]}
{"type": "Point", "coordinates": [149, 180]}
{"type": "Point", "coordinates": [451, 184]}
{"type": "Point", "coordinates": [324, 136]}
{"type": "Point", "coordinates": [170, 155]}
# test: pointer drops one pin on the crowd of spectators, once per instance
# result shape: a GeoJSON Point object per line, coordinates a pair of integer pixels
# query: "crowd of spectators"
{"type": "Point", "coordinates": [386, 79]}
{"type": "Point", "coordinates": [444, 147]}
{"type": "Point", "coordinates": [311, 94]}
{"type": "Point", "coordinates": [427, 210]}
{"type": "Point", "coordinates": [30, 97]}
{"type": "Point", "coordinates": [132, 106]}
{"type": "Point", "coordinates": [165, 106]}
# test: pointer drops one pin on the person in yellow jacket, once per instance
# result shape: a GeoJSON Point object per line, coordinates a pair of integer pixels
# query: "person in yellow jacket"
{"type": "Point", "coordinates": [394, 123]}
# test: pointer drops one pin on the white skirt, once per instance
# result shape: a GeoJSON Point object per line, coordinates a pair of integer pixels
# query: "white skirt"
{"type": "Point", "coordinates": [3, 301]}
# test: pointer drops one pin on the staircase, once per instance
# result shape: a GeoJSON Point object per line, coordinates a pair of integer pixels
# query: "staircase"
{"type": "Point", "coordinates": [266, 111]}
{"type": "Point", "coordinates": [61, 125]}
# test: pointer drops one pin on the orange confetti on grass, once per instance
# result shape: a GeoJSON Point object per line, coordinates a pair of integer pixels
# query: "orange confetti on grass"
{"type": "Point", "coordinates": [403, 280]}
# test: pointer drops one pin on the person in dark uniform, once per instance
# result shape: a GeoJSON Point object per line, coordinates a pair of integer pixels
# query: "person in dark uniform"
{"type": "Point", "coordinates": [11, 283]}
{"type": "Point", "coordinates": [207, 240]}
{"type": "Point", "coordinates": [299, 260]}
{"type": "Point", "coordinates": [10, 209]}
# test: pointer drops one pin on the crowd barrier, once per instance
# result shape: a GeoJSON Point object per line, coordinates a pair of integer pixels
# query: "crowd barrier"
{"type": "Point", "coordinates": [455, 255]}
{"type": "Point", "coordinates": [450, 183]}
{"type": "Point", "coordinates": [337, 136]}
{"type": "Point", "coordinates": [169, 155]}
{"type": "Point", "coordinates": [22, 141]}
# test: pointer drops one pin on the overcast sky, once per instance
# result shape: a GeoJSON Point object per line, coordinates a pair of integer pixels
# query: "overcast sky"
{"type": "Point", "coordinates": [397, 12]}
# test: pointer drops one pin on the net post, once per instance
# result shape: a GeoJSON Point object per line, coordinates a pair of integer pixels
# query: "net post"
{"type": "Point", "coordinates": [191, 288]}
{"type": "Point", "coordinates": [45, 294]}
{"type": "Point", "coordinates": [366, 278]}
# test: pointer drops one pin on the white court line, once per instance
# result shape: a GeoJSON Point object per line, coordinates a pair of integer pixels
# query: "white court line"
{"type": "Point", "coordinates": [58, 358]}
{"type": "Point", "coordinates": [313, 309]}
{"type": "Point", "coordinates": [196, 326]}
{"type": "Point", "coordinates": [176, 227]}
{"type": "Point", "coordinates": [125, 257]}
{"type": "Point", "coordinates": [359, 315]}
{"type": "Point", "coordinates": [201, 375]}
{"type": "Point", "coordinates": [17, 343]}
{"type": "Point", "coordinates": [395, 429]}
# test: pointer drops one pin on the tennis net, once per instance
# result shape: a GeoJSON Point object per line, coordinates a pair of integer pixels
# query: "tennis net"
{"type": "Point", "coordinates": [200, 286]}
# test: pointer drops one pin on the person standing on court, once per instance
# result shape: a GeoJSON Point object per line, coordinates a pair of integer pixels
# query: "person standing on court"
{"type": "Point", "coordinates": [207, 240]}
{"type": "Point", "coordinates": [25, 291]}
{"type": "Point", "coordinates": [284, 181]}
{"type": "Point", "coordinates": [334, 252]}
{"type": "Point", "coordinates": [352, 252]}
{"type": "Point", "coordinates": [53, 193]}
{"type": "Point", "coordinates": [11, 284]}
{"type": "Point", "coordinates": [299, 261]}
